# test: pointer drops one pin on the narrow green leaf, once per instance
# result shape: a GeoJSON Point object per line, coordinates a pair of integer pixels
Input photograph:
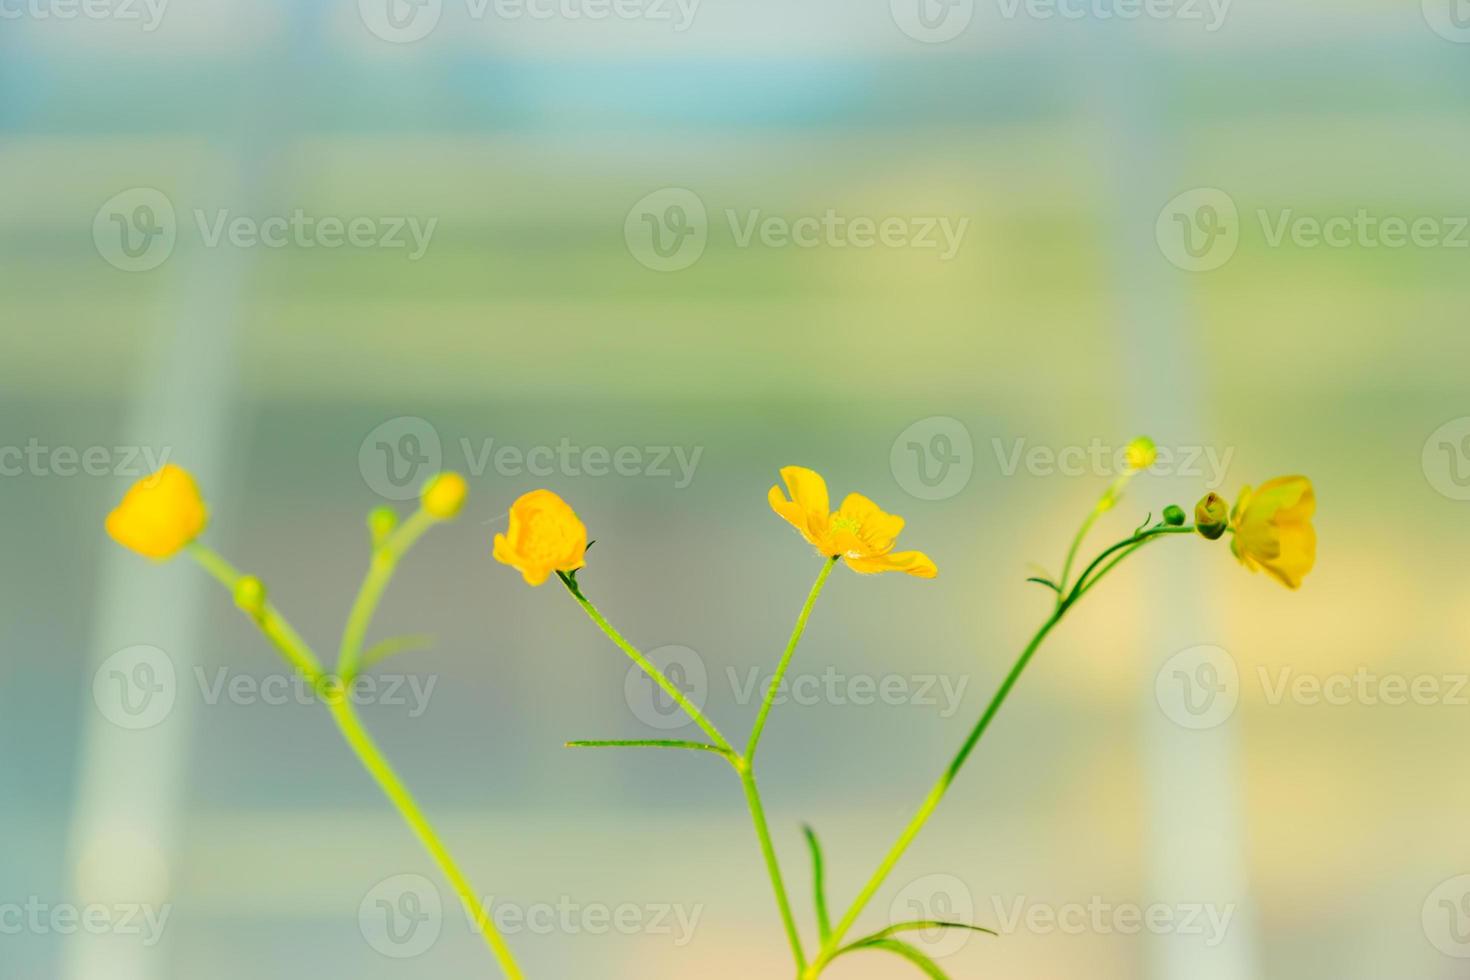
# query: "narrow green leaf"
{"type": "Point", "coordinates": [1145, 522]}
{"type": "Point", "coordinates": [819, 886]}
{"type": "Point", "coordinates": [901, 948]}
{"type": "Point", "coordinates": [393, 646]}
{"type": "Point", "coordinates": [1046, 582]}
{"type": "Point", "coordinates": [645, 743]}
{"type": "Point", "coordinates": [924, 924]}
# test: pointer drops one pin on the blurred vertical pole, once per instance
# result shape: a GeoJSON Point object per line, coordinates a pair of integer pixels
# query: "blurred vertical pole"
{"type": "Point", "coordinates": [126, 823]}
{"type": "Point", "coordinates": [1197, 843]}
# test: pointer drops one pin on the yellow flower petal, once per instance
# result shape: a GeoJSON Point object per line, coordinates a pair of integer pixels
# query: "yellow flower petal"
{"type": "Point", "coordinates": [806, 510]}
{"type": "Point", "coordinates": [913, 562]}
{"type": "Point", "coordinates": [159, 514]}
{"type": "Point", "coordinates": [1273, 529]}
{"type": "Point", "coordinates": [859, 531]}
{"type": "Point", "coordinates": [545, 535]}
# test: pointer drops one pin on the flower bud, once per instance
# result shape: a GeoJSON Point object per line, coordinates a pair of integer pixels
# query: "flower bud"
{"type": "Point", "coordinates": [381, 522]}
{"type": "Point", "coordinates": [1173, 515]}
{"type": "Point", "coordinates": [1211, 515]}
{"type": "Point", "coordinates": [444, 495]}
{"type": "Point", "coordinates": [250, 596]}
{"type": "Point", "coordinates": [1141, 453]}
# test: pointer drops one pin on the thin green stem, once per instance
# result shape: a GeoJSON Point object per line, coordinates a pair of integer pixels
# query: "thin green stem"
{"type": "Point", "coordinates": [668, 686]}
{"type": "Point", "coordinates": [773, 866]}
{"type": "Point", "coordinates": [648, 743]}
{"type": "Point", "coordinates": [380, 572]}
{"type": "Point", "coordinates": [1104, 504]}
{"type": "Point", "coordinates": [936, 794]}
{"type": "Point", "coordinates": [333, 693]}
{"type": "Point", "coordinates": [780, 674]}
{"type": "Point", "coordinates": [382, 772]}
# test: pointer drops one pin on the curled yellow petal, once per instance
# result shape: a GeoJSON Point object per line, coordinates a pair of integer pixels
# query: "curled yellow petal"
{"type": "Point", "coordinates": [545, 535]}
{"type": "Point", "coordinates": [159, 514]}
{"type": "Point", "coordinates": [1273, 529]}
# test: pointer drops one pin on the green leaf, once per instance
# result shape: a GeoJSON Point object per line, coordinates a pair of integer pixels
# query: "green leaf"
{"type": "Point", "coordinates": [645, 743]}
{"type": "Point", "coordinates": [901, 948]}
{"type": "Point", "coordinates": [924, 924]}
{"type": "Point", "coordinates": [819, 887]}
{"type": "Point", "coordinates": [1144, 524]}
{"type": "Point", "coordinates": [1046, 582]}
{"type": "Point", "coordinates": [393, 646]}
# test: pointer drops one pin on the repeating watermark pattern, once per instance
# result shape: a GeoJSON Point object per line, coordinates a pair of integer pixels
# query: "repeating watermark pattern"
{"type": "Point", "coordinates": [1200, 230]}
{"type": "Point", "coordinates": [407, 21]}
{"type": "Point", "coordinates": [396, 457]}
{"type": "Point", "coordinates": [937, 21]}
{"type": "Point", "coordinates": [833, 687]}
{"type": "Point", "coordinates": [1446, 459]}
{"type": "Point", "coordinates": [1450, 19]}
{"type": "Point", "coordinates": [1199, 687]}
{"type": "Point", "coordinates": [1446, 917]}
{"type": "Point", "coordinates": [138, 229]}
{"type": "Point", "coordinates": [934, 458]}
{"type": "Point", "coordinates": [138, 687]}
{"type": "Point", "coordinates": [35, 917]}
{"type": "Point", "coordinates": [935, 898]}
{"type": "Point", "coordinates": [403, 917]}
{"type": "Point", "coordinates": [654, 706]}
{"type": "Point", "coordinates": [1097, 458]}
{"type": "Point", "coordinates": [1208, 922]}
{"type": "Point", "coordinates": [39, 460]}
{"type": "Point", "coordinates": [147, 14]}
{"type": "Point", "coordinates": [668, 230]}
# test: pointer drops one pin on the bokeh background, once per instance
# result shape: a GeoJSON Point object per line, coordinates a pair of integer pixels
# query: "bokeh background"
{"type": "Point", "coordinates": [1121, 180]}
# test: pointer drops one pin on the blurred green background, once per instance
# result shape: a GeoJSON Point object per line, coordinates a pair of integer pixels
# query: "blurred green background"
{"type": "Point", "coordinates": [1121, 180]}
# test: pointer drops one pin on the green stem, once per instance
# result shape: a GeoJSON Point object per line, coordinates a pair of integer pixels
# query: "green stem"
{"type": "Point", "coordinates": [662, 681]}
{"type": "Point", "coordinates": [380, 572]}
{"type": "Point", "coordinates": [931, 802]}
{"type": "Point", "coordinates": [773, 866]}
{"type": "Point", "coordinates": [806, 612]}
{"type": "Point", "coordinates": [333, 693]}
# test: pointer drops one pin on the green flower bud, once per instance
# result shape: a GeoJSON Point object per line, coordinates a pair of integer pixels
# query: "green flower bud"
{"type": "Point", "coordinates": [1173, 515]}
{"type": "Point", "coordinates": [381, 522]}
{"type": "Point", "coordinates": [1211, 515]}
{"type": "Point", "coordinates": [250, 596]}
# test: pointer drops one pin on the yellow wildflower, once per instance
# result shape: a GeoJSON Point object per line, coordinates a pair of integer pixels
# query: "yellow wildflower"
{"type": "Point", "coordinates": [545, 536]}
{"type": "Point", "coordinates": [1273, 529]}
{"type": "Point", "coordinates": [159, 514]}
{"type": "Point", "coordinates": [858, 531]}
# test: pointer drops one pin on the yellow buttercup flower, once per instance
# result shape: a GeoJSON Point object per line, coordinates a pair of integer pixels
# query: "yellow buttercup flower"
{"type": "Point", "coordinates": [1273, 529]}
{"type": "Point", "coordinates": [159, 514]}
{"type": "Point", "coordinates": [858, 531]}
{"type": "Point", "coordinates": [444, 495]}
{"type": "Point", "coordinates": [545, 536]}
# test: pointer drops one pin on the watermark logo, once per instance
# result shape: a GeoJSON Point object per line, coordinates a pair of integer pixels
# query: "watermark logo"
{"type": "Point", "coordinates": [1450, 19]}
{"type": "Point", "coordinates": [934, 898]}
{"type": "Point", "coordinates": [667, 231]}
{"type": "Point", "coordinates": [1198, 688]}
{"type": "Point", "coordinates": [136, 688]}
{"type": "Point", "coordinates": [1100, 917]}
{"type": "Point", "coordinates": [932, 21]}
{"type": "Point", "coordinates": [1199, 230]}
{"type": "Point", "coordinates": [147, 13]}
{"type": "Point", "coordinates": [1446, 917]}
{"type": "Point", "coordinates": [1446, 459]}
{"type": "Point", "coordinates": [651, 703]}
{"type": "Point", "coordinates": [401, 917]}
{"type": "Point", "coordinates": [836, 688]}
{"type": "Point", "coordinates": [934, 458]}
{"type": "Point", "coordinates": [136, 230]}
{"type": "Point", "coordinates": [399, 455]}
{"type": "Point", "coordinates": [39, 918]}
{"type": "Point", "coordinates": [401, 21]}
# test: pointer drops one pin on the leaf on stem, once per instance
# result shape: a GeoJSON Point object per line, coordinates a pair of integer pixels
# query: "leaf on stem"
{"type": "Point", "coordinates": [645, 743]}
{"type": "Point", "coordinates": [1046, 582]}
{"type": "Point", "coordinates": [393, 646]}
{"type": "Point", "coordinates": [819, 887]}
{"type": "Point", "coordinates": [901, 948]}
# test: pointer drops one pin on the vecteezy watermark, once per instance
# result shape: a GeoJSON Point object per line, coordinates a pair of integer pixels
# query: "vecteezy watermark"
{"type": "Point", "coordinates": [138, 687]}
{"type": "Point", "coordinates": [651, 703]}
{"type": "Point", "coordinates": [1199, 687]}
{"type": "Point", "coordinates": [1099, 459]}
{"type": "Point", "coordinates": [668, 230]}
{"type": "Point", "coordinates": [39, 918]}
{"type": "Point", "coordinates": [934, 898]}
{"type": "Point", "coordinates": [1450, 19]}
{"type": "Point", "coordinates": [138, 229]}
{"type": "Point", "coordinates": [146, 13]}
{"type": "Point", "coordinates": [397, 456]}
{"type": "Point", "coordinates": [834, 687]}
{"type": "Point", "coordinates": [934, 458]}
{"type": "Point", "coordinates": [1098, 916]}
{"type": "Point", "coordinates": [1446, 917]}
{"type": "Point", "coordinates": [1199, 230]}
{"type": "Point", "coordinates": [937, 21]}
{"type": "Point", "coordinates": [406, 21]}
{"type": "Point", "coordinates": [403, 917]}
{"type": "Point", "coordinates": [38, 460]}
{"type": "Point", "coordinates": [1446, 459]}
